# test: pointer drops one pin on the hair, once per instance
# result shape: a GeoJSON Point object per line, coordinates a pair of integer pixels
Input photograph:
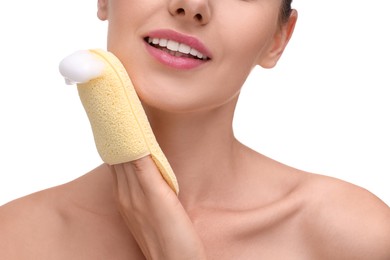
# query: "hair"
{"type": "Point", "coordinates": [285, 11]}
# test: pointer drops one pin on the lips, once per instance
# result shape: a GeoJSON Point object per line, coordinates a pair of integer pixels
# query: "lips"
{"type": "Point", "coordinates": [176, 50]}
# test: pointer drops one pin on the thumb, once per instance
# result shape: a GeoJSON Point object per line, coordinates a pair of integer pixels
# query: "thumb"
{"type": "Point", "coordinates": [147, 175]}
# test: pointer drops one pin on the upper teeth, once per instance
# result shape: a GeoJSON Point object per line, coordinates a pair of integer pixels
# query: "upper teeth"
{"type": "Point", "coordinates": [176, 46]}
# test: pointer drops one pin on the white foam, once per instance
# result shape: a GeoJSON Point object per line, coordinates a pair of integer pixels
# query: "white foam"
{"type": "Point", "coordinates": [81, 67]}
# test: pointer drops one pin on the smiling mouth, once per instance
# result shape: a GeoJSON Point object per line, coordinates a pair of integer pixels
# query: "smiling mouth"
{"type": "Point", "coordinates": [176, 49]}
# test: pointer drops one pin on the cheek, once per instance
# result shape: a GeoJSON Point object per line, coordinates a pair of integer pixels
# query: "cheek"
{"type": "Point", "coordinates": [254, 47]}
{"type": "Point", "coordinates": [249, 39]}
{"type": "Point", "coordinates": [126, 17]}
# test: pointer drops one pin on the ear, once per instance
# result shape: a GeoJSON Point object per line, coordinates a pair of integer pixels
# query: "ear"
{"type": "Point", "coordinates": [102, 12]}
{"type": "Point", "coordinates": [279, 42]}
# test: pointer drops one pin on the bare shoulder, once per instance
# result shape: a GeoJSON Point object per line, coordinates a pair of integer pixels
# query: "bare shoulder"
{"type": "Point", "coordinates": [76, 220]}
{"type": "Point", "coordinates": [25, 223]}
{"type": "Point", "coordinates": [344, 221]}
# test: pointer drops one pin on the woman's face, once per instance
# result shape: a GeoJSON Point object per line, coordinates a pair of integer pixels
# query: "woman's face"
{"type": "Point", "coordinates": [235, 35]}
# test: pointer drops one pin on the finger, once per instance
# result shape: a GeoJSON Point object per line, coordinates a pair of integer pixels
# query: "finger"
{"type": "Point", "coordinates": [149, 177]}
{"type": "Point", "coordinates": [126, 186]}
{"type": "Point", "coordinates": [114, 178]}
{"type": "Point", "coordinates": [129, 178]}
{"type": "Point", "coordinates": [121, 177]}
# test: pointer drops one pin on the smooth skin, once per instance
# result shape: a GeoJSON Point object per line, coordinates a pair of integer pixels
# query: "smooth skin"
{"type": "Point", "coordinates": [234, 203]}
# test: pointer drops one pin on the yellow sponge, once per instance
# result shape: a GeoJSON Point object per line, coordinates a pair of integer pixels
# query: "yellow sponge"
{"type": "Point", "coordinates": [120, 126]}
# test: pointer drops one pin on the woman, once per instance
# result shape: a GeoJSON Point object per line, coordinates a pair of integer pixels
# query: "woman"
{"type": "Point", "coordinates": [234, 203]}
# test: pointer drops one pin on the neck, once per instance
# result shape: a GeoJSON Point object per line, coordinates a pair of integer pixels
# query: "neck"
{"type": "Point", "coordinates": [200, 146]}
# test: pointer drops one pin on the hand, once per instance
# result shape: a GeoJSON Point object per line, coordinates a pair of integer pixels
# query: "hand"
{"type": "Point", "coordinates": [153, 212]}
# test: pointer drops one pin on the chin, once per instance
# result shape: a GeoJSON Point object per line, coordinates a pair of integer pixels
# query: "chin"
{"type": "Point", "coordinates": [169, 104]}
{"type": "Point", "coordinates": [163, 98]}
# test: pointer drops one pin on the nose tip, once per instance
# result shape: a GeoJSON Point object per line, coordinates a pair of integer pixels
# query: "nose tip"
{"type": "Point", "coordinates": [197, 17]}
{"type": "Point", "coordinates": [196, 11]}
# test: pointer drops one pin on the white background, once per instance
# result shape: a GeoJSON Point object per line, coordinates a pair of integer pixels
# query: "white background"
{"type": "Point", "coordinates": [325, 108]}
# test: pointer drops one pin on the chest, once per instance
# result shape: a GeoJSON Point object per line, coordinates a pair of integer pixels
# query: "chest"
{"type": "Point", "coordinates": [271, 232]}
{"type": "Point", "coordinates": [223, 239]}
{"type": "Point", "coordinates": [255, 234]}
